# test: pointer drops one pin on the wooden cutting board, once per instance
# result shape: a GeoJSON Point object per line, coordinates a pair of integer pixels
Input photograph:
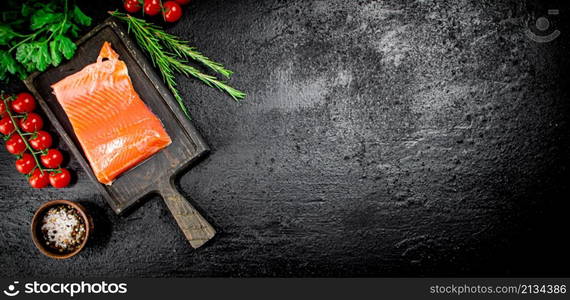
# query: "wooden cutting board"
{"type": "Point", "coordinates": [154, 175]}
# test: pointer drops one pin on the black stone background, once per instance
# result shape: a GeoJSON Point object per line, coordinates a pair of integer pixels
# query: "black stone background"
{"type": "Point", "coordinates": [378, 138]}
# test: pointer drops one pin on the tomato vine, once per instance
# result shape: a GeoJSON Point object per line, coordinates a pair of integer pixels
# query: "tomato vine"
{"type": "Point", "coordinates": [12, 131]}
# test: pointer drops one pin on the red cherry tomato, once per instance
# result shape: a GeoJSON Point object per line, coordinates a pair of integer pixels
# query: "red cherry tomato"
{"type": "Point", "coordinates": [132, 6]}
{"type": "Point", "coordinates": [183, 2]}
{"type": "Point", "coordinates": [38, 179]}
{"type": "Point", "coordinates": [172, 11]}
{"type": "Point", "coordinates": [32, 123]}
{"type": "Point", "coordinates": [60, 178]}
{"type": "Point", "coordinates": [24, 103]}
{"type": "Point", "coordinates": [25, 164]}
{"type": "Point", "coordinates": [52, 159]}
{"type": "Point", "coordinates": [6, 126]}
{"type": "Point", "coordinates": [2, 108]}
{"type": "Point", "coordinates": [152, 7]}
{"type": "Point", "coordinates": [42, 140]}
{"type": "Point", "coordinates": [15, 145]}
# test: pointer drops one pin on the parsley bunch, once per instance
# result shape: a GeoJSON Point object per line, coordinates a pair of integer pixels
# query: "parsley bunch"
{"type": "Point", "coordinates": [36, 34]}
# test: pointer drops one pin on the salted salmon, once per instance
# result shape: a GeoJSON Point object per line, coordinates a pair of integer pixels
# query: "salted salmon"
{"type": "Point", "coordinates": [115, 128]}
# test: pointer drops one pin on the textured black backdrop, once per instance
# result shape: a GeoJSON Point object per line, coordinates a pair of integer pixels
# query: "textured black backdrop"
{"type": "Point", "coordinates": [379, 138]}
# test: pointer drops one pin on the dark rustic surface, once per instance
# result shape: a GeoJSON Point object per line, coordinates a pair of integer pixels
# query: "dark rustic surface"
{"type": "Point", "coordinates": [379, 138]}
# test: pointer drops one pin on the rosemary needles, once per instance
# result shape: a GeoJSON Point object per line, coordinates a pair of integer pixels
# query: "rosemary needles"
{"type": "Point", "coordinates": [169, 54]}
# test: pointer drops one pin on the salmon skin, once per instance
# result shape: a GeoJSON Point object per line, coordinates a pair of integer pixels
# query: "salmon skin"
{"type": "Point", "coordinates": [115, 128]}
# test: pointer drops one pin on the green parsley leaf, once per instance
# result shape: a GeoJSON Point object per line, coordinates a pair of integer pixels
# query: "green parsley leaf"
{"type": "Point", "coordinates": [74, 30]}
{"type": "Point", "coordinates": [79, 17]}
{"type": "Point", "coordinates": [8, 62]}
{"type": "Point", "coordinates": [66, 46]}
{"type": "Point", "coordinates": [6, 34]}
{"type": "Point", "coordinates": [43, 17]}
{"type": "Point", "coordinates": [60, 28]}
{"type": "Point", "coordinates": [55, 54]}
{"type": "Point", "coordinates": [42, 57]}
{"type": "Point", "coordinates": [24, 54]}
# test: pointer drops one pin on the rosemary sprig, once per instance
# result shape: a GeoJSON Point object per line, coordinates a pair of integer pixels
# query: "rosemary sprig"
{"type": "Point", "coordinates": [207, 79]}
{"type": "Point", "coordinates": [157, 55]}
{"type": "Point", "coordinates": [168, 54]}
{"type": "Point", "coordinates": [182, 49]}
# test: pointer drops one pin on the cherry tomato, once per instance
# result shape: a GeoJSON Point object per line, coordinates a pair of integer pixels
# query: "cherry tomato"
{"type": "Point", "coordinates": [38, 179]}
{"type": "Point", "coordinates": [2, 108]}
{"type": "Point", "coordinates": [172, 11]}
{"type": "Point", "coordinates": [132, 6]}
{"type": "Point", "coordinates": [25, 164]}
{"type": "Point", "coordinates": [15, 145]}
{"type": "Point", "coordinates": [152, 7]}
{"type": "Point", "coordinates": [60, 178]}
{"type": "Point", "coordinates": [183, 2]}
{"type": "Point", "coordinates": [52, 159]}
{"type": "Point", "coordinates": [42, 140]}
{"type": "Point", "coordinates": [24, 103]}
{"type": "Point", "coordinates": [6, 126]}
{"type": "Point", "coordinates": [32, 123]}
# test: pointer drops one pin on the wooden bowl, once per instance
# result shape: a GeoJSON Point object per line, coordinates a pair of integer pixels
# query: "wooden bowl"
{"type": "Point", "coordinates": [38, 239]}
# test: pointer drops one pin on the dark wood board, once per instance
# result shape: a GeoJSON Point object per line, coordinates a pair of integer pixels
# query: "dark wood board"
{"type": "Point", "coordinates": [154, 175]}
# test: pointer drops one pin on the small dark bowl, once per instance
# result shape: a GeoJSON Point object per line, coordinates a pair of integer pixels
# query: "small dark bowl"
{"type": "Point", "coordinates": [36, 235]}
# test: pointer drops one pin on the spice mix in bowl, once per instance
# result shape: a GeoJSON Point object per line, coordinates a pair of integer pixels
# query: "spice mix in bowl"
{"type": "Point", "coordinates": [60, 228]}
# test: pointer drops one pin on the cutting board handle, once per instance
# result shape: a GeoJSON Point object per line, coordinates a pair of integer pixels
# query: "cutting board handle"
{"type": "Point", "coordinates": [196, 229]}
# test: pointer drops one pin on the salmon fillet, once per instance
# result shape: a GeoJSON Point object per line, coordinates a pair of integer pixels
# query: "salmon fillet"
{"type": "Point", "coordinates": [115, 128]}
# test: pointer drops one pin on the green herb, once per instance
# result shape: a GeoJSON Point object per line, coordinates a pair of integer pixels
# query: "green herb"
{"type": "Point", "coordinates": [169, 54]}
{"type": "Point", "coordinates": [37, 34]}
